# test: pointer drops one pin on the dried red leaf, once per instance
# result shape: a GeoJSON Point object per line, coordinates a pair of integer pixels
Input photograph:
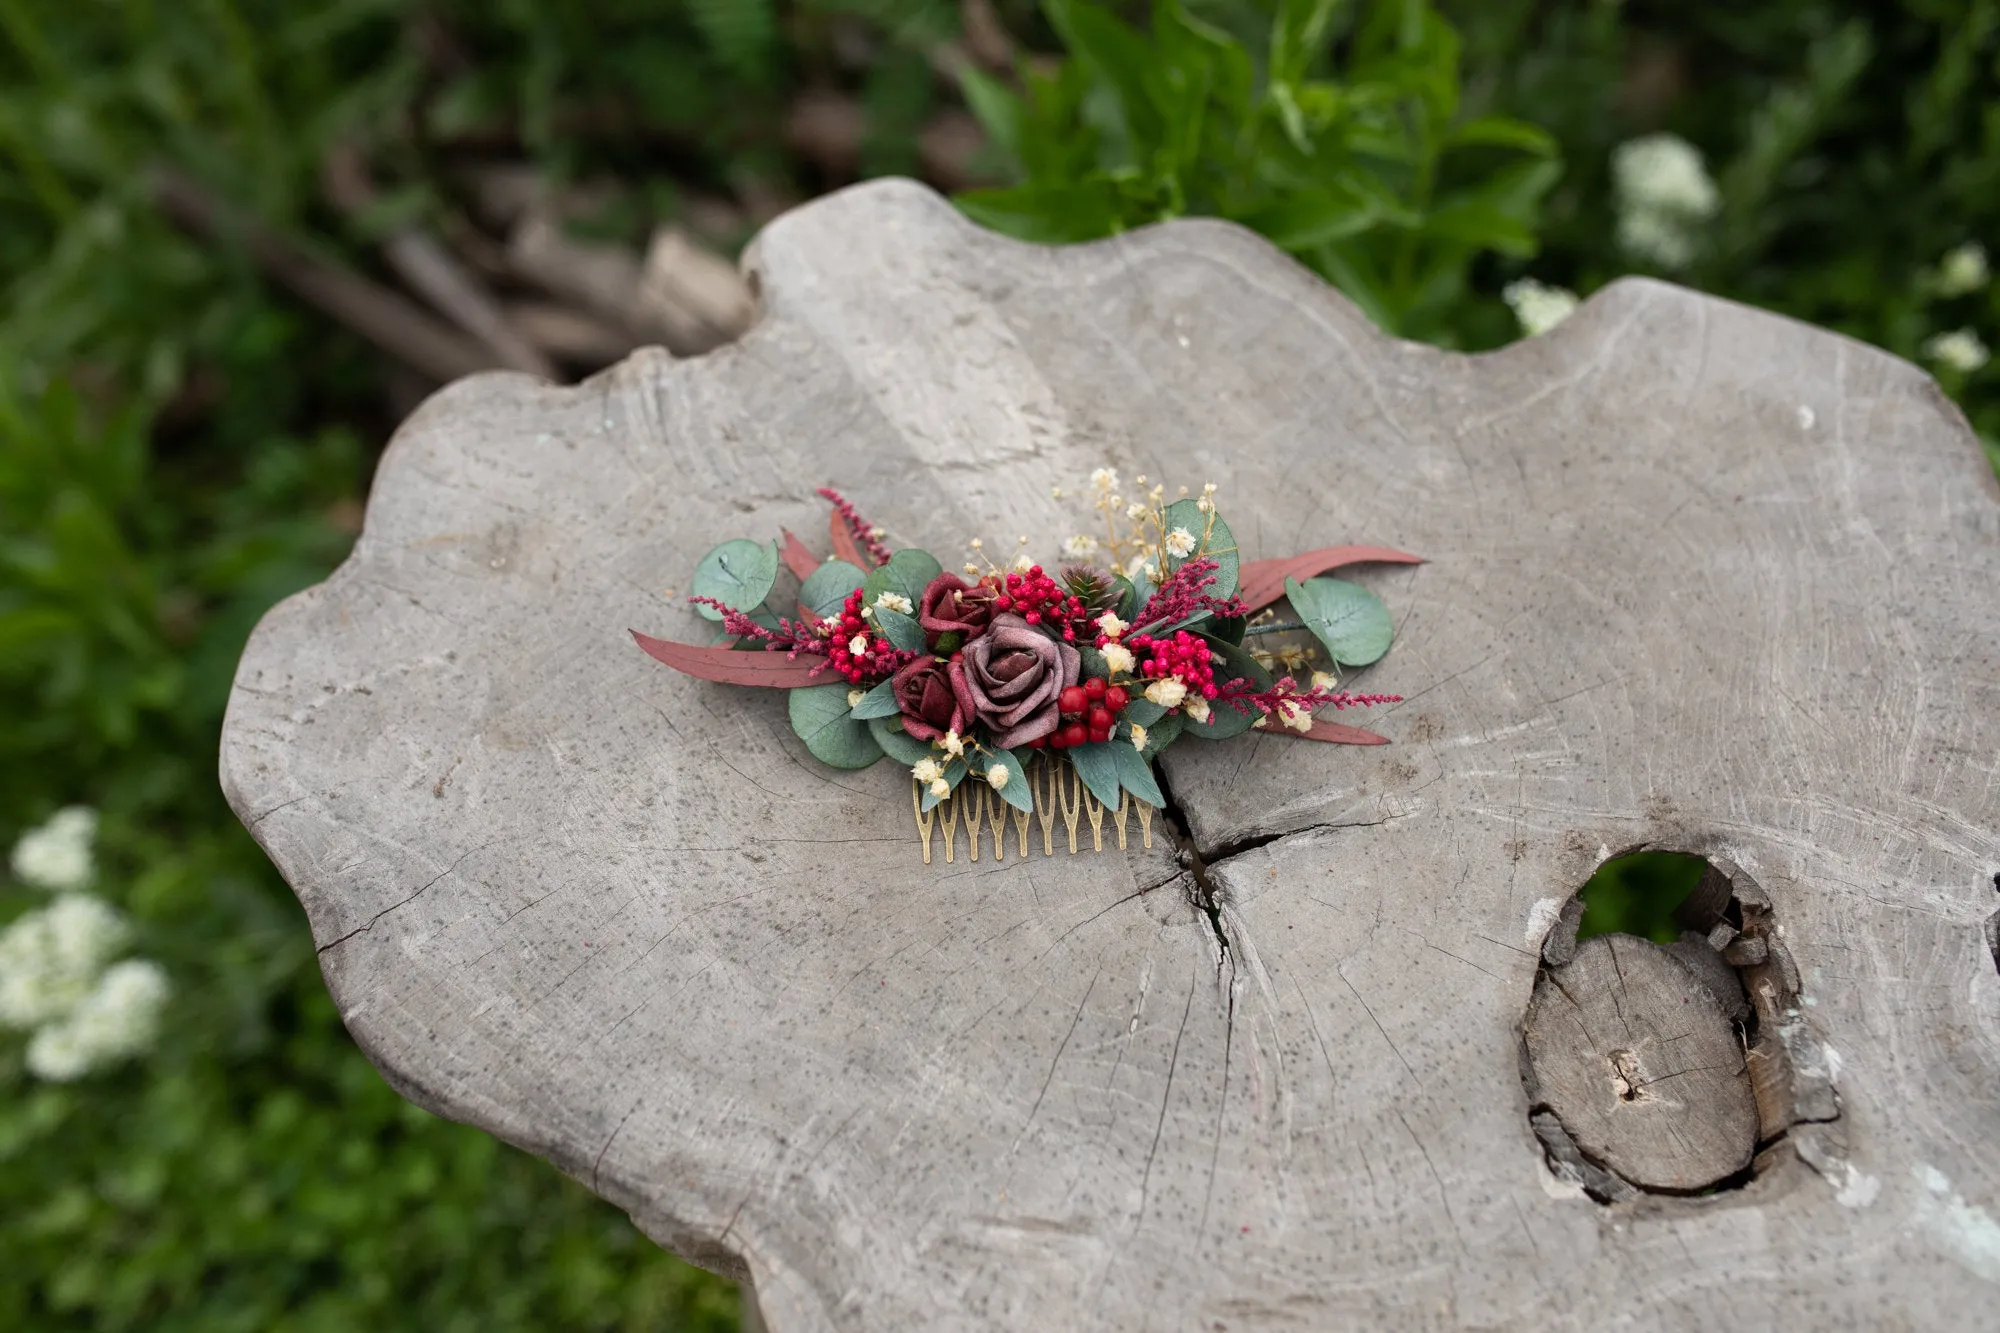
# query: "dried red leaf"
{"type": "Point", "coordinates": [1262, 582]}
{"type": "Point", "coordinates": [772, 670]}
{"type": "Point", "coordinates": [844, 545]}
{"type": "Point", "coordinates": [1333, 733]}
{"type": "Point", "coordinates": [801, 561]}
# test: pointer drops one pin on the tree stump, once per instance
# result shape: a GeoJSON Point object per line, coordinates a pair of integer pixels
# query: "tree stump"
{"type": "Point", "coordinates": [1700, 579]}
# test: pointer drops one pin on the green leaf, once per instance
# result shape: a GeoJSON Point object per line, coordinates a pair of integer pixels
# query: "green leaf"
{"type": "Point", "coordinates": [1143, 711]}
{"type": "Point", "coordinates": [1224, 720]}
{"type": "Point", "coordinates": [1120, 58]}
{"type": "Point", "coordinates": [1164, 733]}
{"type": "Point", "coordinates": [1097, 765]}
{"type": "Point", "coordinates": [878, 702]}
{"type": "Point", "coordinates": [826, 588]}
{"type": "Point", "coordinates": [996, 108]}
{"type": "Point", "coordinates": [1128, 598]}
{"type": "Point", "coordinates": [738, 573]}
{"type": "Point", "coordinates": [908, 573]}
{"type": "Point", "coordinates": [1092, 662]}
{"type": "Point", "coordinates": [820, 717]}
{"type": "Point", "coordinates": [1016, 792]}
{"type": "Point", "coordinates": [898, 744]}
{"type": "Point", "coordinates": [1135, 774]}
{"type": "Point", "coordinates": [1047, 214]}
{"type": "Point", "coordinates": [1502, 132]}
{"type": "Point", "coordinates": [1215, 541]}
{"type": "Point", "coordinates": [901, 630]}
{"type": "Point", "coordinates": [1301, 219]}
{"type": "Point", "coordinates": [1350, 620]}
{"type": "Point", "coordinates": [954, 773]}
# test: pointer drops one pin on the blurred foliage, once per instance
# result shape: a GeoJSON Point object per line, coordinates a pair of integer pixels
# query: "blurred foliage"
{"type": "Point", "coordinates": [1637, 894]}
{"type": "Point", "coordinates": [1374, 178]}
{"type": "Point", "coordinates": [181, 445]}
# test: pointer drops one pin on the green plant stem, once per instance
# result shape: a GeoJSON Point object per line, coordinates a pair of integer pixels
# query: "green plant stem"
{"type": "Point", "coordinates": [1275, 627]}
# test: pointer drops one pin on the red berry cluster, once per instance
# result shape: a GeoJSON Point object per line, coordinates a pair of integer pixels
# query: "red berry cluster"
{"type": "Point", "coordinates": [877, 661]}
{"type": "Point", "coordinates": [1184, 656]}
{"type": "Point", "coordinates": [1040, 600]}
{"type": "Point", "coordinates": [1089, 712]}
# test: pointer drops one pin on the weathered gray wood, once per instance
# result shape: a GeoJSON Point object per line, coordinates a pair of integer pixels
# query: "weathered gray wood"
{"type": "Point", "coordinates": [1632, 1053]}
{"type": "Point", "coordinates": [1701, 578]}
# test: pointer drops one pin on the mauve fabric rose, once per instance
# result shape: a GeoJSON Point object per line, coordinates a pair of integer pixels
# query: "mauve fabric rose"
{"type": "Point", "coordinates": [950, 605]}
{"type": "Point", "coordinates": [1011, 678]}
{"type": "Point", "coordinates": [930, 706]}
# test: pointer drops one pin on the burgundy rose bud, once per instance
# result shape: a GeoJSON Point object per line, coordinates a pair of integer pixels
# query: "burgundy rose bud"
{"type": "Point", "coordinates": [1012, 678]}
{"type": "Point", "coordinates": [930, 706]}
{"type": "Point", "coordinates": [950, 605]}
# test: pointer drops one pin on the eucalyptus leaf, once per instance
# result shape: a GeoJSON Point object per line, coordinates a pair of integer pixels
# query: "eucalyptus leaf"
{"type": "Point", "coordinates": [1163, 733]}
{"type": "Point", "coordinates": [901, 630]}
{"type": "Point", "coordinates": [825, 589]}
{"type": "Point", "coordinates": [908, 573]}
{"type": "Point", "coordinates": [878, 702]}
{"type": "Point", "coordinates": [1135, 774]}
{"type": "Point", "coordinates": [1016, 793]}
{"type": "Point", "coordinates": [738, 573]}
{"type": "Point", "coordinates": [1214, 540]}
{"type": "Point", "coordinates": [1097, 765]}
{"type": "Point", "coordinates": [1350, 620]}
{"type": "Point", "coordinates": [1092, 662]}
{"type": "Point", "coordinates": [954, 773]}
{"type": "Point", "coordinates": [1128, 603]}
{"type": "Point", "coordinates": [898, 744]}
{"type": "Point", "coordinates": [820, 717]}
{"type": "Point", "coordinates": [1143, 711]}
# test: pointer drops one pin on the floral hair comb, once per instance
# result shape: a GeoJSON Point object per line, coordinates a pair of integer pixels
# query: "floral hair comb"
{"type": "Point", "coordinates": [1054, 691]}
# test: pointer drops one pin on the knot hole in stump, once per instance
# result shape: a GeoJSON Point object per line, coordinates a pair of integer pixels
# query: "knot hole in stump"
{"type": "Point", "coordinates": [1664, 1050]}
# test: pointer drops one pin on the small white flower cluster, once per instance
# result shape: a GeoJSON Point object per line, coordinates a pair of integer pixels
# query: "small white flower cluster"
{"type": "Point", "coordinates": [1538, 306]}
{"type": "Point", "coordinates": [1962, 271]}
{"type": "Point", "coordinates": [54, 981]}
{"type": "Point", "coordinates": [1960, 350]}
{"type": "Point", "coordinates": [1664, 196]}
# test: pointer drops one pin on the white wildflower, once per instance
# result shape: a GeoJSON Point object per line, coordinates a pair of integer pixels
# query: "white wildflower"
{"type": "Point", "coordinates": [1167, 692]}
{"type": "Point", "coordinates": [1962, 270]}
{"type": "Point", "coordinates": [976, 544]}
{"type": "Point", "coordinates": [1205, 505]}
{"type": "Point", "coordinates": [1196, 707]}
{"type": "Point", "coordinates": [1023, 563]}
{"type": "Point", "coordinates": [1664, 195]}
{"type": "Point", "coordinates": [1138, 737]}
{"type": "Point", "coordinates": [1960, 350]}
{"type": "Point", "coordinates": [1538, 306]}
{"type": "Point", "coordinates": [1104, 479]}
{"type": "Point", "coordinates": [1262, 719]}
{"type": "Point", "coordinates": [50, 957]}
{"type": "Point", "coordinates": [858, 645]}
{"type": "Point", "coordinates": [1119, 659]}
{"type": "Point", "coordinates": [926, 771]}
{"type": "Point", "coordinates": [1080, 547]}
{"type": "Point", "coordinates": [894, 601]}
{"type": "Point", "coordinates": [1180, 543]}
{"type": "Point", "coordinates": [954, 744]}
{"type": "Point", "coordinates": [1298, 719]}
{"type": "Point", "coordinates": [1055, 492]}
{"type": "Point", "coordinates": [1111, 625]}
{"type": "Point", "coordinates": [118, 1018]}
{"type": "Point", "coordinates": [997, 776]}
{"type": "Point", "coordinates": [1135, 511]}
{"type": "Point", "coordinates": [57, 855]}
{"type": "Point", "coordinates": [940, 788]}
{"type": "Point", "coordinates": [854, 697]}
{"type": "Point", "coordinates": [1325, 680]}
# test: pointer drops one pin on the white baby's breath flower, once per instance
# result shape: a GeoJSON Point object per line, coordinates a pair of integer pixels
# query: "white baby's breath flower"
{"type": "Point", "coordinates": [1104, 479]}
{"type": "Point", "coordinates": [954, 744]}
{"type": "Point", "coordinates": [1325, 680]}
{"type": "Point", "coordinates": [1180, 543]}
{"type": "Point", "coordinates": [926, 771]}
{"type": "Point", "coordinates": [1960, 350]}
{"type": "Point", "coordinates": [1135, 566]}
{"type": "Point", "coordinates": [1664, 195]}
{"type": "Point", "coordinates": [997, 776]}
{"type": "Point", "coordinates": [1196, 708]}
{"type": "Point", "coordinates": [49, 958]}
{"type": "Point", "coordinates": [1138, 737]}
{"type": "Point", "coordinates": [1538, 306]}
{"type": "Point", "coordinates": [1118, 658]}
{"type": "Point", "coordinates": [1298, 719]}
{"type": "Point", "coordinates": [858, 645]}
{"type": "Point", "coordinates": [1135, 511]}
{"type": "Point", "coordinates": [940, 788]}
{"type": "Point", "coordinates": [1110, 625]}
{"type": "Point", "coordinates": [1962, 270]}
{"type": "Point", "coordinates": [1167, 692]}
{"type": "Point", "coordinates": [1080, 547]}
{"type": "Point", "coordinates": [854, 697]}
{"type": "Point", "coordinates": [118, 1018]}
{"type": "Point", "coordinates": [894, 601]}
{"type": "Point", "coordinates": [1023, 563]}
{"type": "Point", "coordinates": [57, 855]}
{"type": "Point", "coordinates": [1205, 505]}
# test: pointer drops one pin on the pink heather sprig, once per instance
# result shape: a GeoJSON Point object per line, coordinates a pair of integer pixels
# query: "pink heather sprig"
{"type": "Point", "coordinates": [1185, 592]}
{"type": "Point", "coordinates": [1244, 696]}
{"type": "Point", "coordinates": [863, 530]}
{"type": "Point", "coordinates": [792, 637]}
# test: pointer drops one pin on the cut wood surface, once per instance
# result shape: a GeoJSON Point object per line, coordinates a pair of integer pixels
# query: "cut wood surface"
{"type": "Point", "coordinates": [1697, 578]}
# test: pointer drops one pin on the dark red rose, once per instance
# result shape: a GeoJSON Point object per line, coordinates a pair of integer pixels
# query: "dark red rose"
{"type": "Point", "coordinates": [1012, 678]}
{"type": "Point", "coordinates": [950, 605]}
{"type": "Point", "coordinates": [930, 707]}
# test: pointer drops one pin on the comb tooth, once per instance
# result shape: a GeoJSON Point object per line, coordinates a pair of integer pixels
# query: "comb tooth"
{"type": "Point", "coordinates": [1045, 801]}
{"type": "Point", "coordinates": [948, 823]}
{"type": "Point", "coordinates": [975, 812]}
{"type": "Point", "coordinates": [924, 817]}
{"type": "Point", "coordinates": [1072, 801]}
{"type": "Point", "coordinates": [997, 808]}
{"type": "Point", "coordinates": [1095, 808]}
{"type": "Point", "coordinates": [1124, 808]}
{"type": "Point", "coordinates": [1146, 821]}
